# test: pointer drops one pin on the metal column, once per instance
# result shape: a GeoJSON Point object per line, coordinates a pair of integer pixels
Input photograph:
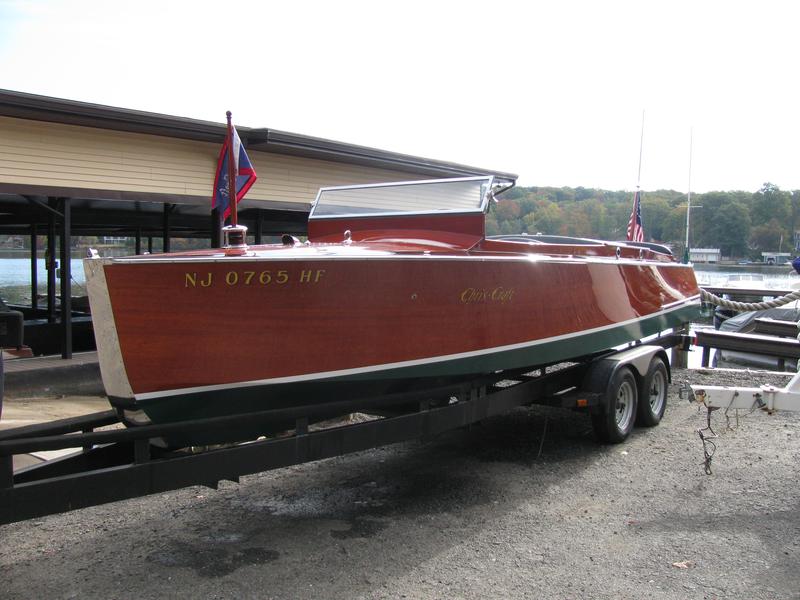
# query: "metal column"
{"type": "Point", "coordinates": [66, 281]}
{"type": "Point", "coordinates": [259, 227]}
{"type": "Point", "coordinates": [167, 210]}
{"type": "Point", "coordinates": [50, 260]}
{"type": "Point", "coordinates": [216, 228]}
{"type": "Point", "coordinates": [34, 270]}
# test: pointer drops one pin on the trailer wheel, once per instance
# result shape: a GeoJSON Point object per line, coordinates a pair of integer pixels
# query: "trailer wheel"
{"type": "Point", "coordinates": [615, 422]}
{"type": "Point", "coordinates": [653, 400]}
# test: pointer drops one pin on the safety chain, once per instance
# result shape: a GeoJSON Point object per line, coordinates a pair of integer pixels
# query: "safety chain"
{"type": "Point", "coordinates": [746, 306]}
{"type": "Point", "coordinates": [706, 435]}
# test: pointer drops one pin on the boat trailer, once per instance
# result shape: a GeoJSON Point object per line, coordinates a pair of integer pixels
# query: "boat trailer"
{"type": "Point", "coordinates": [122, 463]}
{"type": "Point", "coordinates": [767, 397]}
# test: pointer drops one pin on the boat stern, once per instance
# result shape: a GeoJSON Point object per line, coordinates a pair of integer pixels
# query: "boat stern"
{"type": "Point", "coordinates": [112, 367]}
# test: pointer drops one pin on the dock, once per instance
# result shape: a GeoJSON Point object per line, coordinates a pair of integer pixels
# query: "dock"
{"type": "Point", "coordinates": [53, 376]}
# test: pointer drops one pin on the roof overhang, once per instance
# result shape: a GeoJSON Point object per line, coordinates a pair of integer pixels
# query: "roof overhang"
{"type": "Point", "coordinates": [72, 112]}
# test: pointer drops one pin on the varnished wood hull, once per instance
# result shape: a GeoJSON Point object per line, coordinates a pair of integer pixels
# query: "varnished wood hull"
{"type": "Point", "coordinates": [206, 335]}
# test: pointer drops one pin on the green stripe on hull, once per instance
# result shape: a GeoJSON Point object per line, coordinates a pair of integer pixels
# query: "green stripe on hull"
{"type": "Point", "coordinates": [544, 353]}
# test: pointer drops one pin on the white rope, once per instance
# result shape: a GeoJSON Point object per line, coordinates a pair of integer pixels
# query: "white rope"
{"type": "Point", "coordinates": [747, 306]}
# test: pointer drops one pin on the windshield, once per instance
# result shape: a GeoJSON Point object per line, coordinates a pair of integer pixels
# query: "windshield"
{"type": "Point", "coordinates": [413, 197]}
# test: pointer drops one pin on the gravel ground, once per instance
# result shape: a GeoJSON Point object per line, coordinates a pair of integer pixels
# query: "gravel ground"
{"type": "Point", "coordinates": [522, 506]}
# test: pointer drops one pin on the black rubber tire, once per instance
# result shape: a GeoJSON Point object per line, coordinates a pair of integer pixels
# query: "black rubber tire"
{"type": "Point", "coordinates": [614, 423]}
{"type": "Point", "coordinates": [653, 395]}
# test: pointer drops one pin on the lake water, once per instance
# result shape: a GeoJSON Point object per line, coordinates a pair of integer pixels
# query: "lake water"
{"type": "Point", "coordinates": [774, 277]}
{"type": "Point", "coordinates": [17, 271]}
{"type": "Point", "coordinates": [15, 279]}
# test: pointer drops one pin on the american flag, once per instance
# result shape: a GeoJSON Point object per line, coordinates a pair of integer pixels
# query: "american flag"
{"type": "Point", "coordinates": [635, 229]}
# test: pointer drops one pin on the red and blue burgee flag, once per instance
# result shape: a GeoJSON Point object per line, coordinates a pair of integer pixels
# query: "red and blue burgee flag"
{"type": "Point", "coordinates": [635, 229]}
{"type": "Point", "coordinates": [245, 175]}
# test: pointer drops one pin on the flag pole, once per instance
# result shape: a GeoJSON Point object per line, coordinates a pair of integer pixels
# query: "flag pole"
{"type": "Point", "coordinates": [636, 211]}
{"type": "Point", "coordinates": [235, 235]}
{"type": "Point", "coordinates": [231, 173]}
{"type": "Point", "coordinates": [641, 144]}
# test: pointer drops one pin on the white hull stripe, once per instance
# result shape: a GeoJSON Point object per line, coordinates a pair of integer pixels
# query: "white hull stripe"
{"type": "Point", "coordinates": [412, 363]}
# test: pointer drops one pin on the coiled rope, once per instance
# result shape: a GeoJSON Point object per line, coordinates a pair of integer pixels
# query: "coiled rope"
{"type": "Point", "coordinates": [747, 306]}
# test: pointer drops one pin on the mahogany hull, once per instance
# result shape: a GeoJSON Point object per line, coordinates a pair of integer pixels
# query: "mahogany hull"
{"type": "Point", "coordinates": [200, 336]}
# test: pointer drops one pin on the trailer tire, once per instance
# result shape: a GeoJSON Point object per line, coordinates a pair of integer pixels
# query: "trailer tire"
{"type": "Point", "coordinates": [653, 399]}
{"type": "Point", "coordinates": [614, 423]}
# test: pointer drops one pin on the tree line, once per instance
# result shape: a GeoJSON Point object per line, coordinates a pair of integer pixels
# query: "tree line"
{"type": "Point", "coordinates": [740, 224]}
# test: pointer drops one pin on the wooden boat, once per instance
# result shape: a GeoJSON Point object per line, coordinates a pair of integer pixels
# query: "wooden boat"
{"type": "Point", "coordinates": [397, 287]}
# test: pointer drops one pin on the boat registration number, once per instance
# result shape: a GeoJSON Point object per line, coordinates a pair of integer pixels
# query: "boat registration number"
{"type": "Point", "coordinates": [234, 278]}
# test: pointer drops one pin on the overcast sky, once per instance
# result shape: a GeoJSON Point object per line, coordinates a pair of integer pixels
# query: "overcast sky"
{"type": "Point", "coordinates": [553, 91]}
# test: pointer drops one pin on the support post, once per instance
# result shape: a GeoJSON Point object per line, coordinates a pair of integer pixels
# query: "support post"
{"type": "Point", "coordinates": [216, 228]}
{"type": "Point", "coordinates": [259, 227]}
{"type": "Point", "coordinates": [680, 357]}
{"type": "Point", "coordinates": [706, 356]}
{"type": "Point", "coordinates": [66, 281]}
{"type": "Point", "coordinates": [167, 210]}
{"type": "Point", "coordinates": [6, 472]}
{"type": "Point", "coordinates": [138, 239]}
{"type": "Point", "coordinates": [50, 261]}
{"type": "Point", "coordinates": [34, 270]}
{"type": "Point", "coordinates": [149, 244]}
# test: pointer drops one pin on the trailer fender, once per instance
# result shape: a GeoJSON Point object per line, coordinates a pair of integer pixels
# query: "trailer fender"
{"type": "Point", "coordinates": [640, 357]}
{"type": "Point", "coordinates": [637, 358]}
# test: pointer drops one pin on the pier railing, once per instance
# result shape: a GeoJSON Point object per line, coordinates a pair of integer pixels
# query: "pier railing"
{"type": "Point", "coordinates": [769, 337]}
{"type": "Point", "coordinates": [752, 343]}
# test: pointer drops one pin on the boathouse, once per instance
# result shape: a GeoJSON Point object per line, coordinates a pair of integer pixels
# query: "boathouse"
{"type": "Point", "coordinates": [776, 258]}
{"type": "Point", "coordinates": [705, 255]}
{"type": "Point", "coordinates": [71, 168]}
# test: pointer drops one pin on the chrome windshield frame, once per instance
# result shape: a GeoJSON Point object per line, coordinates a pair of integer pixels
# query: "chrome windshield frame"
{"type": "Point", "coordinates": [487, 194]}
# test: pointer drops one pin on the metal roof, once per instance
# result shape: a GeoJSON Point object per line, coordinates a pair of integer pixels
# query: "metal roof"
{"type": "Point", "coordinates": [72, 112]}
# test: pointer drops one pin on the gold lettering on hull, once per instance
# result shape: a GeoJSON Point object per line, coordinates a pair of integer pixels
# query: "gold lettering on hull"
{"type": "Point", "coordinates": [190, 279]}
{"type": "Point", "coordinates": [481, 295]}
{"type": "Point", "coordinates": [308, 276]}
{"type": "Point", "coordinates": [253, 278]}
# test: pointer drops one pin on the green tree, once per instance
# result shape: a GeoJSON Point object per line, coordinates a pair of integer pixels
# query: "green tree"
{"type": "Point", "coordinates": [491, 227]}
{"type": "Point", "coordinates": [654, 213]}
{"type": "Point", "coordinates": [673, 229]}
{"type": "Point", "coordinates": [597, 216]}
{"type": "Point", "coordinates": [729, 230]}
{"type": "Point", "coordinates": [727, 220]}
{"type": "Point", "coordinates": [549, 218]}
{"type": "Point", "coordinates": [767, 238]}
{"type": "Point", "coordinates": [511, 226]}
{"type": "Point", "coordinates": [578, 224]}
{"type": "Point", "coordinates": [529, 223]}
{"type": "Point", "coordinates": [771, 203]}
{"type": "Point", "coordinates": [507, 210]}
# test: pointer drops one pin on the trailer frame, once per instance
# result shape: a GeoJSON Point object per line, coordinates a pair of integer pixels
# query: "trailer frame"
{"type": "Point", "coordinates": [120, 464]}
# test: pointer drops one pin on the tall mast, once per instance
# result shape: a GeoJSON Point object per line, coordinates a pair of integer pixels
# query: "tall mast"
{"type": "Point", "coordinates": [689, 196]}
{"type": "Point", "coordinates": [641, 143]}
{"type": "Point", "coordinates": [688, 200]}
